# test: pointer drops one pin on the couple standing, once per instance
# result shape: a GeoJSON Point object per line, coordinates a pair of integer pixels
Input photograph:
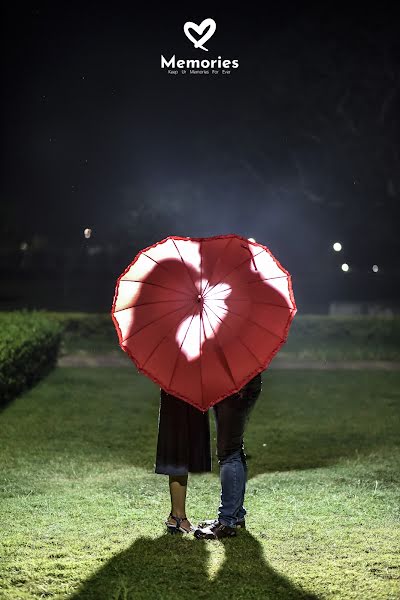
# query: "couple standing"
{"type": "Point", "coordinates": [183, 446]}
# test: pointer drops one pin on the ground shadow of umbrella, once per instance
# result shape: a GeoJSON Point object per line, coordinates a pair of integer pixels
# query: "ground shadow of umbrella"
{"type": "Point", "coordinates": [303, 441]}
{"type": "Point", "coordinates": [169, 567]}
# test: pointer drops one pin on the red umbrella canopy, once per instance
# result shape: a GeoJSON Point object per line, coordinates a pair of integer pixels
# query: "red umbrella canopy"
{"type": "Point", "coordinates": [202, 316]}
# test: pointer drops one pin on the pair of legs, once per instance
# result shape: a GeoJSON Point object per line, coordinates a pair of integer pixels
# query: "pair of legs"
{"type": "Point", "coordinates": [231, 415]}
{"type": "Point", "coordinates": [183, 446]}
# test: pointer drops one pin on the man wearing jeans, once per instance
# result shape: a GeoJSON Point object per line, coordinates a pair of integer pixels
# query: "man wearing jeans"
{"type": "Point", "coordinates": [231, 415]}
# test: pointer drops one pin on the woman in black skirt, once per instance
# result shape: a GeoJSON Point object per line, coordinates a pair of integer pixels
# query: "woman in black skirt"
{"type": "Point", "coordinates": [183, 446]}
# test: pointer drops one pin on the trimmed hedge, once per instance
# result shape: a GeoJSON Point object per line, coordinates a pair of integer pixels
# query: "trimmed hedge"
{"type": "Point", "coordinates": [29, 346]}
{"type": "Point", "coordinates": [83, 324]}
{"type": "Point", "coordinates": [344, 337]}
{"type": "Point", "coordinates": [88, 332]}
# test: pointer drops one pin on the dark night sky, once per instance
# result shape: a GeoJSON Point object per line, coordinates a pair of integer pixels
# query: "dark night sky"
{"type": "Point", "coordinates": [298, 147]}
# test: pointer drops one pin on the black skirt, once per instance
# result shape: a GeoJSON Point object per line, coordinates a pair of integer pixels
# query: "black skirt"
{"type": "Point", "coordinates": [183, 444]}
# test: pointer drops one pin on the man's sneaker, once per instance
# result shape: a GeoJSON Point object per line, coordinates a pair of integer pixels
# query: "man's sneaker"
{"type": "Point", "coordinates": [241, 524]}
{"type": "Point", "coordinates": [215, 532]}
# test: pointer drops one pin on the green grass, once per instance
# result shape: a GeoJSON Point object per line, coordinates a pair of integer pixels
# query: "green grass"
{"type": "Point", "coordinates": [81, 512]}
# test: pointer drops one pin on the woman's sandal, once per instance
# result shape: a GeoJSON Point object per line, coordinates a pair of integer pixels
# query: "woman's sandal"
{"type": "Point", "coordinates": [177, 528]}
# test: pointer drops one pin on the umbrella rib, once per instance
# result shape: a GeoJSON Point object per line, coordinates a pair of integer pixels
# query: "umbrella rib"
{"type": "Point", "coordinates": [240, 339]}
{"type": "Point", "coordinates": [249, 320]}
{"type": "Point", "coordinates": [237, 267]}
{"type": "Point", "coordinates": [219, 344]}
{"type": "Point", "coordinates": [251, 254]}
{"type": "Point", "coordinates": [179, 353]}
{"type": "Point", "coordinates": [201, 267]}
{"type": "Point", "coordinates": [246, 283]}
{"type": "Point", "coordinates": [268, 278]}
{"type": "Point", "coordinates": [146, 303]}
{"type": "Point", "coordinates": [253, 302]}
{"type": "Point", "coordinates": [151, 323]}
{"type": "Point", "coordinates": [158, 285]}
{"type": "Point", "coordinates": [194, 285]}
{"type": "Point", "coordinates": [162, 339]}
{"type": "Point", "coordinates": [201, 324]}
{"type": "Point", "coordinates": [156, 261]}
{"type": "Point", "coordinates": [201, 355]}
{"type": "Point", "coordinates": [217, 262]}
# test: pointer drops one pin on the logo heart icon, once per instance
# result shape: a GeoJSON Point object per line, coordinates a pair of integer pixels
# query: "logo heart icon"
{"type": "Point", "coordinates": [199, 29]}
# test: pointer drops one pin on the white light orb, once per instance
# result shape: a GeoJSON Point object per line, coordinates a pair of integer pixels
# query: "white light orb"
{"type": "Point", "coordinates": [87, 232]}
{"type": "Point", "coordinates": [375, 268]}
{"type": "Point", "coordinates": [345, 267]}
{"type": "Point", "coordinates": [24, 246]}
{"type": "Point", "coordinates": [337, 246]}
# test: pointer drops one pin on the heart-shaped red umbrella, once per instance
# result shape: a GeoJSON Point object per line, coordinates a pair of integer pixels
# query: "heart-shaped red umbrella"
{"type": "Point", "coordinates": [202, 316]}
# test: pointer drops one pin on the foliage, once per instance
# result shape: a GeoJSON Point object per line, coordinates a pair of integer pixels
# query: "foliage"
{"type": "Point", "coordinates": [344, 337]}
{"type": "Point", "coordinates": [29, 344]}
{"type": "Point", "coordinates": [92, 332]}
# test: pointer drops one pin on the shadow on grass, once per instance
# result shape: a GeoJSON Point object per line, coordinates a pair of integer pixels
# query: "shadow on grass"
{"type": "Point", "coordinates": [175, 567]}
{"type": "Point", "coordinates": [302, 420]}
{"type": "Point", "coordinates": [306, 420]}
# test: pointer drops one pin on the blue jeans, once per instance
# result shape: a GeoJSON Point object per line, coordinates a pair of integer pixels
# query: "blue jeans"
{"type": "Point", "coordinates": [231, 415]}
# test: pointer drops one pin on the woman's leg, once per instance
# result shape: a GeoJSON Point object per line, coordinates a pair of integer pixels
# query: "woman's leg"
{"type": "Point", "coordinates": [178, 488]}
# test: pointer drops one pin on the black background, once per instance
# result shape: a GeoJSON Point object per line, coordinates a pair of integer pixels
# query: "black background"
{"type": "Point", "coordinates": [298, 147]}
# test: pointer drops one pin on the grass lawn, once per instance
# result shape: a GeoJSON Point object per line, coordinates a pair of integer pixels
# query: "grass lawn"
{"type": "Point", "coordinates": [81, 510]}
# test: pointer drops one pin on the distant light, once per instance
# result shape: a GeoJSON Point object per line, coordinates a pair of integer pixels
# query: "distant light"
{"type": "Point", "coordinates": [375, 268]}
{"type": "Point", "coordinates": [87, 233]}
{"type": "Point", "coordinates": [345, 267]}
{"type": "Point", "coordinates": [337, 246]}
{"type": "Point", "coordinates": [251, 239]}
{"type": "Point", "coordinates": [24, 246]}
